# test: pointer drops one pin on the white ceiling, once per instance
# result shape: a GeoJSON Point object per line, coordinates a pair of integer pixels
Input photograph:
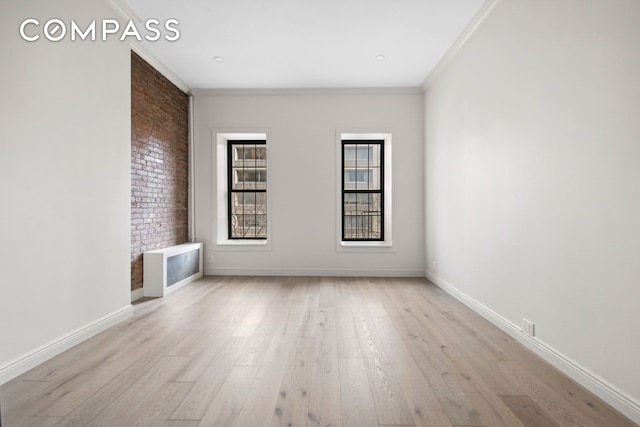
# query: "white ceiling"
{"type": "Point", "coordinates": [306, 43]}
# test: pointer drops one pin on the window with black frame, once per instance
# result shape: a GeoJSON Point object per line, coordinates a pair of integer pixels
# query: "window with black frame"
{"type": "Point", "coordinates": [362, 190]}
{"type": "Point", "coordinates": [247, 189]}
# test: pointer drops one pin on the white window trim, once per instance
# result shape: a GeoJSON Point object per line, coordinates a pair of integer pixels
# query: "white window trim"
{"type": "Point", "coordinates": [221, 231]}
{"type": "Point", "coordinates": [387, 244]}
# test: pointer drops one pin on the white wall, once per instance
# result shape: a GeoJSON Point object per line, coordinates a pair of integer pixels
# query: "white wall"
{"type": "Point", "coordinates": [64, 184]}
{"type": "Point", "coordinates": [301, 128]}
{"type": "Point", "coordinates": [533, 174]}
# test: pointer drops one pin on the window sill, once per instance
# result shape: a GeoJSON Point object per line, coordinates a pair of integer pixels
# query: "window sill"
{"type": "Point", "coordinates": [349, 246]}
{"type": "Point", "coordinates": [245, 244]}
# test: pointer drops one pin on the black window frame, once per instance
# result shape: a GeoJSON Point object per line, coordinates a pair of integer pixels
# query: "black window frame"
{"type": "Point", "coordinates": [230, 190]}
{"type": "Point", "coordinates": [380, 191]}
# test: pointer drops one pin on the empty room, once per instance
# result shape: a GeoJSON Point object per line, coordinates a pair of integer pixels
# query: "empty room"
{"type": "Point", "coordinates": [320, 213]}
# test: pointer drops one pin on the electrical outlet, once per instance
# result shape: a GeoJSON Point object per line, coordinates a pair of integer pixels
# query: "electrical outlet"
{"type": "Point", "coordinates": [210, 258]}
{"type": "Point", "coordinates": [435, 266]}
{"type": "Point", "coordinates": [528, 328]}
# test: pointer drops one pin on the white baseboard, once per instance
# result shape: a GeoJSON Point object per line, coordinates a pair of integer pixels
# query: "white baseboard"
{"type": "Point", "coordinates": [136, 294]}
{"type": "Point", "coordinates": [46, 352]}
{"type": "Point", "coordinates": [312, 272]}
{"type": "Point", "coordinates": [614, 397]}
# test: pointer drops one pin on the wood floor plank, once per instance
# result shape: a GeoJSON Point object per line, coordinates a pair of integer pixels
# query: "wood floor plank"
{"type": "Point", "coordinates": [22, 399]}
{"type": "Point", "coordinates": [435, 369]}
{"type": "Point", "coordinates": [205, 351]}
{"type": "Point", "coordinates": [92, 378]}
{"type": "Point", "coordinates": [261, 400]}
{"type": "Point", "coordinates": [546, 397]}
{"type": "Point", "coordinates": [92, 403]}
{"type": "Point", "coordinates": [209, 381]}
{"type": "Point", "coordinates": [529, 412]}
{"type": "Point", "coordinates": [40, 422]}
{"type": "Point", "coordinates": [229, 401]}
{"type": "Point", "coordinates": [179, 423]}
{"type": "Point", "coordinates": [347, 339]}
{"type": "Point", "coordinates": [144, 391]}
{"type": "Point", "coordinates": [469, 355]}
{"type": "Point", "coordinates": [426, 349]}
{"type": "Point", "coordinates": [552, 391]}
{"type": "Point", "coordinates": [407, 325]}
{"type": "Point", "coordinates": [192, 343]}
{"type": "Point", "coordinates": [324, 401]}
{"type": "Point", "coordinates": [242, 351]}
{"type": "Point", "coordinates": [369, 293]}
{"type": "Point", "coordinates": [109, 342]}
{"type": "Point", "coordinates": [255, 292]}
{"type": "Point", "coordinates": [358, 409]}
{"type": "Point", "coordinates": [310, 311]}
{"type": "Point", "coordinates": [189, 307]}
{"type": "Point", "coordinates": [271, 323]}
{"type": "Point", "coordinates": [254, 316]}
{"type": "Point", "coordinates": [162, 403]}
{"type": "Point", "coordinates": [390, 404]}
{"type": "Point", "coordinates": [459, 328]}
{"type": "Point", "coordinates": [423, 403]}
{"type": "Point", "coordinates": [458, 344]}
{"type": "Point", "coordinates": [491, 408]}
{"type": "Point", "coordinates": [235, 307]}
{"type": "Point", "coordinates": [571, 392]}
{"type": "Point", "coordinates": [292, 406]}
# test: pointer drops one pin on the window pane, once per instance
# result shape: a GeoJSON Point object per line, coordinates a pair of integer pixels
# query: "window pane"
{"type": "Point", "coordinates": [249, 179]}
{"type": "Point", "coordinates": [363, 154]}
{"type": "Point", "coordinates": [375, 228]}
{"type": "Point", "coordinates": [261, 203]}
{"type": "Point", "coordinates": [249, 206]}
{"type": "Point", "coordinates": [349, 153]}
{"type": "Point", "coordinates": [248, 215]}
{"type": "Point", "coordinates": [362, 175]}
{"type": "Point", "coordinates": [349, 180]}
{"type": "Point", "coordinates": [362, 216]}
{"type": "Point", "coordinates": [350, 199]}
{"type": "Point", "coordinates": [362, 179]}
{"type": "Point", "coordinates": [364, 227]}
{"type": "Point", "coordinates": [249, 154]}
{"type": "Point", "coordinates": [237, 202]}
{"type": "Point", "coordinates": [375, 155]}
{"type": "Point", "coordinates": [375, 179]}
{"type": "Point", "coordinates": [237, 178]}
{"type": "Point", "coordinates": [375, 203]}
{"type": "Point", "coordinates": [349, 224]}
{"type": "Point", "coordinates": [261, 226]}
{"type": "Point", "coordinates": [362, 202]}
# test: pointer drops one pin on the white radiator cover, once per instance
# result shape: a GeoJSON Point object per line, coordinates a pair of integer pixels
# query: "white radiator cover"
{"type": "Point", "coordinates": [163, 271]}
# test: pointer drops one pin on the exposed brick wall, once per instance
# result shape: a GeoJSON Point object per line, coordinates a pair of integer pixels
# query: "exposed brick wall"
{"type": "Point", "coordinates": [159, 164]}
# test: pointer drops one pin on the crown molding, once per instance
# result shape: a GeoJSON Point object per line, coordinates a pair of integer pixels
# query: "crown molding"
{"type": "Point", "coordinates": [308, 91]}
{"type": "Point", "coordinates": [478, 19]}
{"type": "Point", "coordinates": [123, 10]}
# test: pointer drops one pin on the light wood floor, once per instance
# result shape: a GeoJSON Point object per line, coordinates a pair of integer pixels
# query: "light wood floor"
{"type": "Point", "coordinates": [333, 352]}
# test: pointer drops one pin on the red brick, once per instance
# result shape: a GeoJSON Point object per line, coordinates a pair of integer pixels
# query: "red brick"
{"type": "Point", "coordinates": [159, 164]}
